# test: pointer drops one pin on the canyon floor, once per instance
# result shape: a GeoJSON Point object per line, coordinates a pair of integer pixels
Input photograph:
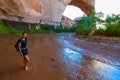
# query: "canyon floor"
{"type": "Point", "coordinates": [59, 57]}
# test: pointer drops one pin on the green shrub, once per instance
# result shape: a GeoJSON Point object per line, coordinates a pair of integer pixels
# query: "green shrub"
{"type": "Point", "coordinates": [62, 29]}
{"type": "Point", "coordinates": [46, 27]}
{"type": "Point", "coordinates": [83, 31]}
{"type": "Point", "coordinates": [39, 31]}
{"type": "Point", "coordinates": [87, 24]}
{"type": "Point", "coordinates": [74, 28]}
{"type": "Point", "coordinates": [113, 29]}
{"type": "Point", "coordinates": [8, 29]}
{"type": "Point", "coordinates": [100, 31]}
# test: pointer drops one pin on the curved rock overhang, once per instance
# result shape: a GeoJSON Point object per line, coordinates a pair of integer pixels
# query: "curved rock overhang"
{"type": "Point", "coordinates": [87, 6]}
{"type": "Point", "coordinates": [35, 11]}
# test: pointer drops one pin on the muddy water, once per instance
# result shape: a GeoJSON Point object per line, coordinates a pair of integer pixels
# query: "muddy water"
{"type": "Point", "coordinates": [59, 57]}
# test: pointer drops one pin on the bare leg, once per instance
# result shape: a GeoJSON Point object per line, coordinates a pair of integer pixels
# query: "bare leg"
{"type": "Point", "coordinates": [26, 60]}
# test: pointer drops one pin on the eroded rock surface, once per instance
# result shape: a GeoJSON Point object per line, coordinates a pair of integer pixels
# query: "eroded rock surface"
{"type": "Point", "coordinates": [34, 11]}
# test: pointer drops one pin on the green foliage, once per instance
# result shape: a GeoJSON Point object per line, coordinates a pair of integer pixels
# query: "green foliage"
{"type": "Point", "coordinates": [87, 25]}
{"type": "Point", "coordinates": [112, 24]}
{"type": "Point", "coordinates": [74, 28]}
{"type": "Point", "coordinates": [62, 29]}
{"type": "Point", "coordinates": [8, 29]}
{"type": "Point", "coordinates": [100, 31]}
{"type": "Point", "coordinates": [112, 19]}
{"type": "Point", "coordinates": [83, 31]}
{"type": "Point", "coordinates": [113, 30]}
{"type": "Point", "coordinates": [46, 27]}
{"type": "Point", "coordinates": [38, 31]}
{"type": "Point", "coordinates": [50, 28]}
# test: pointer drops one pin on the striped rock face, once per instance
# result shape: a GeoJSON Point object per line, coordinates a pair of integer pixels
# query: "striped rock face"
{"type": "Point", "coordinates": [34, 11]}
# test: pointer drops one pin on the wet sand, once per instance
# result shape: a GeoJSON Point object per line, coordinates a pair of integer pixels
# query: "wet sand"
{"type": "Point", "coordinates": [42, 53]}
{"type": "Point", "coordinates": [59, 57]}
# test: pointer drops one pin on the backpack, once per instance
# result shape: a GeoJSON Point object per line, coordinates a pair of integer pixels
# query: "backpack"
{"type": "Point", "coordinates": [16, 45]}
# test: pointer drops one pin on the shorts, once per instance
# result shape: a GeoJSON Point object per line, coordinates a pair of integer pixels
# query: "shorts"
{"type": "Point", "coordinates": [25, 52]}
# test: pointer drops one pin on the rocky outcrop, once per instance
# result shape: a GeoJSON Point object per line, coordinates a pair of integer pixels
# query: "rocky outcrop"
{"type": "Point", "coordinates": [66, 22]}
{"type": "Point", "coordinates": [36, 11]}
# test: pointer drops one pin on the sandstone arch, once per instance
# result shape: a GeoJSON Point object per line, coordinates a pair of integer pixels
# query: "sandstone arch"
{"type": "Point", "coordinates": [48, 11]}
{"type": "Point", "coordinates": [87, 6]}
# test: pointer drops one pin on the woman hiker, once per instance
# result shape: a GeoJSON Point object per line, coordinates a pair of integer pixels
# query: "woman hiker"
{"type": "Point", "coordinates": [22, 45]}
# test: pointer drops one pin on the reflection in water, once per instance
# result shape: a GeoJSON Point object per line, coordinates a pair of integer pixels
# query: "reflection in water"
{"type": "Point", "coordinates": [75, 56]}
{"type": "Point", "coordinates": [73, 60]}
{"type": "Point", "coordinates": [110, 72]}
{"type": "Point", "coordinates": [66, 43]}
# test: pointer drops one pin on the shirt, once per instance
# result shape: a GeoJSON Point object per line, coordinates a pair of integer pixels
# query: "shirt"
{"type": "Point", "coordinates": [23, 43]}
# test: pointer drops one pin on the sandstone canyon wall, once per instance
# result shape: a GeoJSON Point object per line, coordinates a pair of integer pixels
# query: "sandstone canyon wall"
{"type": "Point", "coordinates": [35, 11]}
